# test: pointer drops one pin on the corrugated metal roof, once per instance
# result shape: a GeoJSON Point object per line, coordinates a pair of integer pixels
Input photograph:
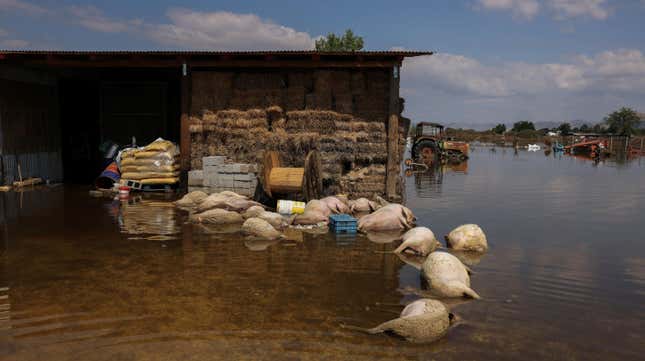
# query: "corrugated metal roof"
{"type": "Point", "coordinates": [396, 53]}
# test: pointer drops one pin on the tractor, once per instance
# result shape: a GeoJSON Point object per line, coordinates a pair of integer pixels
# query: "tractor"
{"type": "Point", "coordinates": [430, 145]}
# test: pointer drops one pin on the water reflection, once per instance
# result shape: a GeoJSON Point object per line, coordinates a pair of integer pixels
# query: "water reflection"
{"type": "Point", "coordinates": [428, 182]}
{"type": "Point", "coordinates": [564, 270]}
{"type": "Point", "coordinates": [147, 217]}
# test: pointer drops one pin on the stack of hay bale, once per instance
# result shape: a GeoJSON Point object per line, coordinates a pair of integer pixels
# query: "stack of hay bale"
{"type": "Point", "coordinates": [364, 182]}
{"type": "Point", "coordinates": [156, 163]}
{"type": "Point", "coordinates": [345, 143]}
{"type": "Point", "coordinates": [342, 114]}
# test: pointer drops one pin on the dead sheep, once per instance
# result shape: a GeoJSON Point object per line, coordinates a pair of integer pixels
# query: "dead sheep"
{"type": "Point", "coordinates": [253, 211]}
{"type": "Point", "coordinates": [362, 205]}
{"type": "Point", "coordinates": [230, 203]}
{"type": "Point", "coordinates": [336, 205]}
{"type": "Point", "coordinates": [467, 237]}
{"type": "Point", "coordinates": [191, 199]}
{"type": "Point", "coordinates": [447, 276]}
{"type": "Point", "coordinates": [216, 216]}
{"type": "Point", "coordinates": [419, 240]}
{"type": "Point", "coordinates": [390, 217]}
{"type": "Point", "coordinates": [315, 212]}
{"type": "Point", "coordinates": [257, 228]}
{"type": "Point", "coordinates": [275, 219]}
{"type": "Point", "coordinates": [423, 321]}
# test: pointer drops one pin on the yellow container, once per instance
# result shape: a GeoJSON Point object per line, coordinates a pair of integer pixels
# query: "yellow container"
{"type": "Point", "coordinates": [290, 207]}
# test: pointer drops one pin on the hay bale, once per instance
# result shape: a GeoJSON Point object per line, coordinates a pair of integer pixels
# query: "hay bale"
{"type": "Point", "coordinates": [274, 113]}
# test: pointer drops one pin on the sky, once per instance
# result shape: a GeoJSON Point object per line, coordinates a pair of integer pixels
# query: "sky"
{"type": "Point", "coordinates": [496, 61]}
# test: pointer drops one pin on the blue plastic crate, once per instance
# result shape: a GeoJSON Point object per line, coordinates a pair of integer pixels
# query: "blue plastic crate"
{"type": "Point", "coordinates": [342, 223]}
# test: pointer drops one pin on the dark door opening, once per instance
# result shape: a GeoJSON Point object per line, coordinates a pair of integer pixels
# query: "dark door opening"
{"type": "Point", "coordinates": [114, 106]}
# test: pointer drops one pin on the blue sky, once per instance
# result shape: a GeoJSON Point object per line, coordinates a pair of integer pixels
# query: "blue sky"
{"type": "Point", "coordinates": [497, 60]}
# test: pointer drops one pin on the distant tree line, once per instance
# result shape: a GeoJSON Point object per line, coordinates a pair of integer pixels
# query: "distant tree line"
{"type": "Point", "coordinates": [624, 121]}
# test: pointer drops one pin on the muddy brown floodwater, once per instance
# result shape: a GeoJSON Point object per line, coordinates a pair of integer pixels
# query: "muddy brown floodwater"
{"type": "Point", "coordinates": [82, 278]}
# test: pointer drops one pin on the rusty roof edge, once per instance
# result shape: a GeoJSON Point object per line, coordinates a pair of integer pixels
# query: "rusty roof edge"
{"type": "Point", "coordinates": [404, 53]}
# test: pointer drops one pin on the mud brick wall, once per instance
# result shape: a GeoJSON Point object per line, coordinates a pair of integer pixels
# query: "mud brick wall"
{"type": "Point", "coordinates": [341, 113]}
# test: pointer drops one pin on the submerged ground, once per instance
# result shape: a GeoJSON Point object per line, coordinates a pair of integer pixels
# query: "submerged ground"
{"type": "Point", "coordinates": [564, 277]}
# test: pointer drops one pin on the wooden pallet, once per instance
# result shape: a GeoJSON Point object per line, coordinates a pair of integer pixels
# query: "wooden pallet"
{"type": "Point", "coordinates": [167, 188]}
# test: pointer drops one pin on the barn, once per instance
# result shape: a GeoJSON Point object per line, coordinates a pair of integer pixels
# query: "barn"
{"type": "Point", "coordinates": [57, 109]}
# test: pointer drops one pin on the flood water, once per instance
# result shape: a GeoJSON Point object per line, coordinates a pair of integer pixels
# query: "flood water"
{"type": "Point", "coordinates": [564, 277]}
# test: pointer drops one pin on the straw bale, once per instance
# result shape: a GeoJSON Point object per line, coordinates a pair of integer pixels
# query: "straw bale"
{"type": "Point", "coordinates": [274, 113]}
{"type": "Point", "coordinates": [196, 127]}
{"type": "Point", "coordinates": [279, 124]}
{"type": "Point", "coordinates": [211, 90]}
{"type": "Point", "coordinates": [376, 126]}
{"type": "Point", "coordinates": [327, 138]}
{"type": "Point", "coordinates": [344, 126]}
{"type": "Point", "coordinates": [295, 98]}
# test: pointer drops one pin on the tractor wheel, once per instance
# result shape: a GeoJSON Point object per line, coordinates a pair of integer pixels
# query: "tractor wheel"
{"type": "Point", "coordinates": [456, 156]}
{"type": "Point", "coordinates": [426, 151]}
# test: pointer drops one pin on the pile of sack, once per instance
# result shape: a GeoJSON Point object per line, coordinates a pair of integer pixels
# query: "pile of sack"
{"type": "Point", "coordinates": [156, 163]}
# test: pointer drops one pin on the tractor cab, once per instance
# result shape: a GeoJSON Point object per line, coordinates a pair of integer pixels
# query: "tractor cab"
{"type": "Point", "coordinates": [430, 130]}
{"type": "Point", "coordinates": [430, 145]}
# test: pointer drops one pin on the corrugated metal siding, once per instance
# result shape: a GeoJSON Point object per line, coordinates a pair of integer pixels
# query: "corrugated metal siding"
{"type": "Point", "coordinates": [405, 53]}
{"type": "Point", "coordinates": [29, 130]}
{"type": "Point", "coordinates": [46, 165]}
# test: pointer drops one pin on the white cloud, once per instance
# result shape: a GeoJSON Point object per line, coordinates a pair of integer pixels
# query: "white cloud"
{"type": "Point", "coordinates": [617, 70]}
{"type": "Point", "coordinates": [7, 43]}
{"type": "Point", "coordinates": [22, 6]}
{"type": "Point", "coordinates": [13, 44]}
{"type": "Point", "coordinates": [560, 9]}
{"type": "Point", "coordinates": [563, 9]}
{"type": "Point", "coordinates": [220, 30]}
{"type": "Point", "coordinates": [188, 29]}
{"type": "Point", "coordinates": [520, 8]}
{"type": "Point", "coordinates": [224, 30]}
{"type": "Point", "coordinates": [93, 18]}
{"type": "Point", "coordinates": [457, 89]}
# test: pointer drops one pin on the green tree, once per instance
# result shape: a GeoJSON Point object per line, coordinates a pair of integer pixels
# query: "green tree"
{"type": "Point", "coordinates": [584, 128]}
{"type": "Point", "coordinates": [499, 129]}
{"type": "Point", "coordinates": [598, 128]}
{"type": "Point", "coordinates": [565, 128]}
{"type": "Point", "coordinates": [347, 42]}
{"type": "Point", "coordinates": [523, 125]}
{"type": "Point", "coordinates": [624, 121]}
